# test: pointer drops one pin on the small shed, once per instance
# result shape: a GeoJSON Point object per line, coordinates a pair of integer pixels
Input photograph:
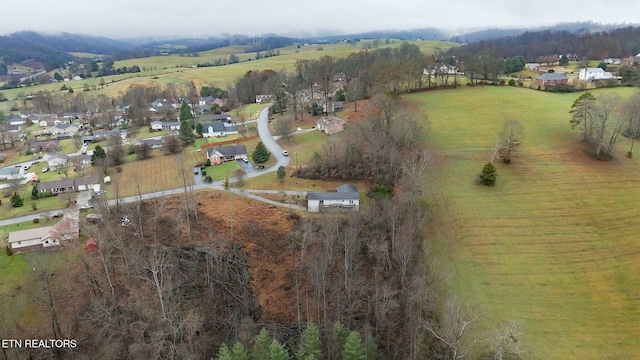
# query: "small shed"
{"type": "Point", "coordinates": [91, 246]}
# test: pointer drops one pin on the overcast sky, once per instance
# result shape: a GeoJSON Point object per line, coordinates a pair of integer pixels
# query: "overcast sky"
{"type": "Point", "coordinates": [198, 18]}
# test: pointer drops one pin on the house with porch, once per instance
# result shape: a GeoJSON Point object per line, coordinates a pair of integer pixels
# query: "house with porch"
{"type": "Point", "coordinates": [219, 154]}
{"type": "Point", "coordinates": [218, 129]}
{"type": "Point", "coordinates": [345, 198]}
{"type": "Point", "coordinates": [69, 185]}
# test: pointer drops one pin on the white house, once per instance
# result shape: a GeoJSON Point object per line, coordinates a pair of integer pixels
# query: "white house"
{"type": "Point", "coordinates": [46, 122]}
{"type": "Point", "coordinates": [346, 197]}
{"type": "Point", "coordinates": [70, 129]}
{"type": "Point", "coordinates": [591, 74]}
{"type": "Point", "coordinates": [441, 69]}
{"type": "Point", "coordinates": [218, 129]}
{"type": "Point", "coordinates": [33, 239]}
{"type": "Point", "coordinates": [156, 125]}
{"type": "Point", "coordinates": [612, 61]}
{"type": "Point", "coordinates": [263, 98]}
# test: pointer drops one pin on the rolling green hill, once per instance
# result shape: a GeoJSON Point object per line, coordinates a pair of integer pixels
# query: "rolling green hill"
{"type": "Point", "coordinates": [554, 245]}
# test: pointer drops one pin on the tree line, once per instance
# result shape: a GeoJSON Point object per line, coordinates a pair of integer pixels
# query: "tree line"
{"type": "Point", "coordinates": [532, 45]}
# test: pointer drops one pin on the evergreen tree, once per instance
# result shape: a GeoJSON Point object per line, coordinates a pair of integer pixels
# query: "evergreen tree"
{"type": "Point", "coordinates": [185, 111]}
{"type": "Point", "coordinates": [564, 60]}
{"type": "Point", "coordinates": [34, 191]}
{"type": "Point", "coordinates": [16, 200]}
{"type": "Point", "coordinates": [238, 352]}
{"type": "Point", "coordinates": [310, 345]}
{"type": "Point", "coordinates": [489, 175]}
{"type": "Point", "coordinates": [339, 336]}
{"type": "Point", "coordinates": [198, 129]}
{"type": "Point", "coordinates": [224, 353]}
{"type": "Point", "coordinates": [261, 345]}
{"type": "Point", "coordinates": [260, 154]}
{"type": "Point", "coordinates": [277, 351]}
{"type": "Point", "coordinates": [186, 133]}
{"type": "Point", "coordinates": [353, 349]}
{"type": "Point", "coordinates": [281, 173]}
{"type": "Point", "coordinates": [371, 350]}
{"type": "Point", "coordinates": [98, 156]}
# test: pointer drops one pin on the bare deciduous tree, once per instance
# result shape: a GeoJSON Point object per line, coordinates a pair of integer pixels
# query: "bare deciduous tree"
{"type": "Point", "coordinates": [511, 138]}
{"type": "Point", "coordinates": [506, 342]}
{"type": "Point", "coordinates": [631, 111]}
{"type": "Point", "coordinates": [455, 327]}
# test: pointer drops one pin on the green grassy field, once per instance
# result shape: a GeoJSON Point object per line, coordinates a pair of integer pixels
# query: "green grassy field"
{"type": "Point", "coordinates": [554, 245]}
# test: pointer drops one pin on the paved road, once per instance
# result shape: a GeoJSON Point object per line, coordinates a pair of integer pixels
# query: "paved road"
{"type": "Point", "coordinates": [267, 139]}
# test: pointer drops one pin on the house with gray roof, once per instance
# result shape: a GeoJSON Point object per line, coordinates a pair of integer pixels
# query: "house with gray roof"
{"type": "Point", "coordinates": [153, 143]}
{"type": "Point", "coordinates": [215, 117]}
{"type": "Point", "coordinates": [219, 154]}
{"type": "Point", "coordinates": [10, 172]}
{"type": "Point", "coordinates": [346, 198]}
{"type": "Point", "coordinates": [218, 129]}
{"type": "Point", "coordinates": [49, 146]}
{"type": "Point", "coordinates": [69, 185]}
{"type": "Point", "coordinates": [551, 79]}
{"type": "Point", "coordinates": [70, 129]}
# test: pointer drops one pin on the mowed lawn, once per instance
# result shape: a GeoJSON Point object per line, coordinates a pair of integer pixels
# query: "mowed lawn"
{"type": "Point", "coordinates": [555, 244]}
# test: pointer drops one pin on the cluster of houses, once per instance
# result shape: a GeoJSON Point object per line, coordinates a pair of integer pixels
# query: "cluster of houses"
{"type": "Point", "coordinates": [217, 125]}
{"type": "Point", "coordinates": [161, 108]}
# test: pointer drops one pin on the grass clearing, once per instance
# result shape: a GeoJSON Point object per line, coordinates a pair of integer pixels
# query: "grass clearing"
{"type": "Point", "coordinates": [46, 204]}
{"type": "Point", "coordinates": [554, 244]}
{"type": "Point", "coordinates": [218, 172]}
{"type": "Point", "coordinates": [301, 147]}
{"type": "Point", "coordinates": [158, 173]}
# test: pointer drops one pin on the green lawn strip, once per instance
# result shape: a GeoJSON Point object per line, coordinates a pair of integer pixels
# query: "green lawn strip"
{"type": "Point", "coordinates": [7, 211]}
{"type": "Point", "coordinates": [218, 172]}
{"type": "Point", "coordinates": [552, 244]}
{"type": "Point", "coordinates": [21, 290]}
{"type": "Point", "coordinates": [305, 145]}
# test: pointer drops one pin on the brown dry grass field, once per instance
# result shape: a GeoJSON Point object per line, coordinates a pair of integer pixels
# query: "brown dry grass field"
{"type": "Point", "coordinates": [160, 172]}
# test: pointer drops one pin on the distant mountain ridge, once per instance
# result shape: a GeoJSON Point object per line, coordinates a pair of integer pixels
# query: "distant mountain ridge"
{"type": "Point", "coordinates": [52, 50]}
{"type": "Point", "coordinates": [15, 50]}
{"type": "Point", "coordinates": [574, 27]}
{"type": "Point", "coordinates": [73, 42]}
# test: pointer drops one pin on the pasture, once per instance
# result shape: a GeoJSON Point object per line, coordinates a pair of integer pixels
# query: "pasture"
{"type": "Point", "coordinates": [554, 245]}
